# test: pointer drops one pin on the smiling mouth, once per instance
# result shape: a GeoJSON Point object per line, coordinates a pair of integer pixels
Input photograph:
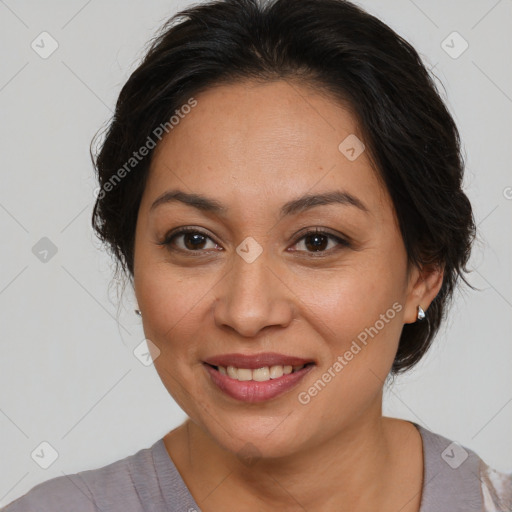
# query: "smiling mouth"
{"type": "Point", "coordinates": [262, 374]}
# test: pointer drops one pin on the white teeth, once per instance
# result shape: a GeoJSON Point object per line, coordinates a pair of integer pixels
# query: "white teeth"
{"type": "Point", "coordinates": [244, 374]}
{"type": "Point", "coordinates": [260, 374]}
{"type": "Point", "coordinates": [276, 372]}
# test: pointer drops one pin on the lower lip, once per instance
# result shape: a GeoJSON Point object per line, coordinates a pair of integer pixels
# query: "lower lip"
{"type": "Point", "coordinates": [253, 391]}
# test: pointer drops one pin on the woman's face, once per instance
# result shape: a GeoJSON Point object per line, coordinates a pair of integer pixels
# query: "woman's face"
{"type": "Point", "coordinates": [248, 282]}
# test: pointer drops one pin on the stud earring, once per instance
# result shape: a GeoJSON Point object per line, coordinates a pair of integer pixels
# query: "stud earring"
{"type": "Point", "coordinates": [421, 313]}
{"type": "Point", "coordinates": [137, 312]}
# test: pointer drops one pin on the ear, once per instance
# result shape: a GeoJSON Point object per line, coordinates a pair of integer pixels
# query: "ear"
{"type": "Point", "coordinates": [423, 285]}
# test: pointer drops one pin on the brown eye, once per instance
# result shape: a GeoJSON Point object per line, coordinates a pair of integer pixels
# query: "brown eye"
{"type": "Point", "coordinates": [318, 241]}
{"type": "Point", "coordinates": [188, 240]}
{"type": "Point", "coordinates": [194, 241]}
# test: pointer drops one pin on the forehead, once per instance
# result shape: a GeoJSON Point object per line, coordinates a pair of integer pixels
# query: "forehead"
{"type": "Point", "coordinates": [249, 141]}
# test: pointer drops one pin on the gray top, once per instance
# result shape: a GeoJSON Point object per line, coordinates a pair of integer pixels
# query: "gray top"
{"type": "Point", "coordinates": [455, 480]}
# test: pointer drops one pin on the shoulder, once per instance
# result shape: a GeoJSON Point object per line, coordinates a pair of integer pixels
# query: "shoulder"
{"type": "Point", "coordinates": [455, 472]}
{"type": "Point", "coordinates": [68, 492]}
{"type": "Point", "coordinates": [496, 489]}
{"type": "Point", "coordinates": [113, 487]}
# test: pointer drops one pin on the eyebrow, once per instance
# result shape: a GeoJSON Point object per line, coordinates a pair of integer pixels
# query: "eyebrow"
{"type": "Point", "coordinates": [292, 207]}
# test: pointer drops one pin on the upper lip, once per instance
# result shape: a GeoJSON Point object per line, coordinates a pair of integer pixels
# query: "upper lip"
{"type": "Point", "coordinates": [253, 361]}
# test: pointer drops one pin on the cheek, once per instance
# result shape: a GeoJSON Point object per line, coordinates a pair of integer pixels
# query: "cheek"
{"type": "Point", "coordinates": [172, 305]}
{"type": "Point", "coordinates": [168, 315]}
{"type": "Point", "coordinates": [358, 359]}
{"type": "Point", "coordinates": [358, 312]}
{"type": "Point", "coordinates": [172, 299]}
{"type": "Point", "coordinates": [347, 301]}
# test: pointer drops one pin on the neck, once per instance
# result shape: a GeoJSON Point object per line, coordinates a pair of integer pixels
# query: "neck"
{"type": "Point", "coordinates": [353, 470]}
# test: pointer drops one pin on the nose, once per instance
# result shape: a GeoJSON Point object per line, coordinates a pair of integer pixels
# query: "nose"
{"type": "Point", "coordinates": [252, 297]}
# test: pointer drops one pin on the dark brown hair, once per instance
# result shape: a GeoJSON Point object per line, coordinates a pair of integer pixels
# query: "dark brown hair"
{"type": "Point", "coordinates": [342, 50]}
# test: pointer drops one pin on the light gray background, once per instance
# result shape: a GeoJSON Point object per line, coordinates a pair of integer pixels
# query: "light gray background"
{"type": "Point", "coordinates": [68, 375]}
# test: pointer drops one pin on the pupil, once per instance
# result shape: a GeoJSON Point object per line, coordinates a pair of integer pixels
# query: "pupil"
{"type": "Point", "coordinates": [196, 237]}
{"type": "Point", "coordinates": [317, 244]}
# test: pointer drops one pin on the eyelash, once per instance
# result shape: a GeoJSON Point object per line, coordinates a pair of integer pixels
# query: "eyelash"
{"type": "Point", "coordinates": [169, 238]}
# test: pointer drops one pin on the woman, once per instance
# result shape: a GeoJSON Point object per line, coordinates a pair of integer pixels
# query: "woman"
{"type": "Point", "coordinates": [281, 183]}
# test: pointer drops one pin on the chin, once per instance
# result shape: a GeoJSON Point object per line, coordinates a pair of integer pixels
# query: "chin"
{"type": "Point", "coordinates": [255, 436]}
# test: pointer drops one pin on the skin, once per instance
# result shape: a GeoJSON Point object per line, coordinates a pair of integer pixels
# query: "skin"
{"type": "Point", "coordinates": [254, 147]}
